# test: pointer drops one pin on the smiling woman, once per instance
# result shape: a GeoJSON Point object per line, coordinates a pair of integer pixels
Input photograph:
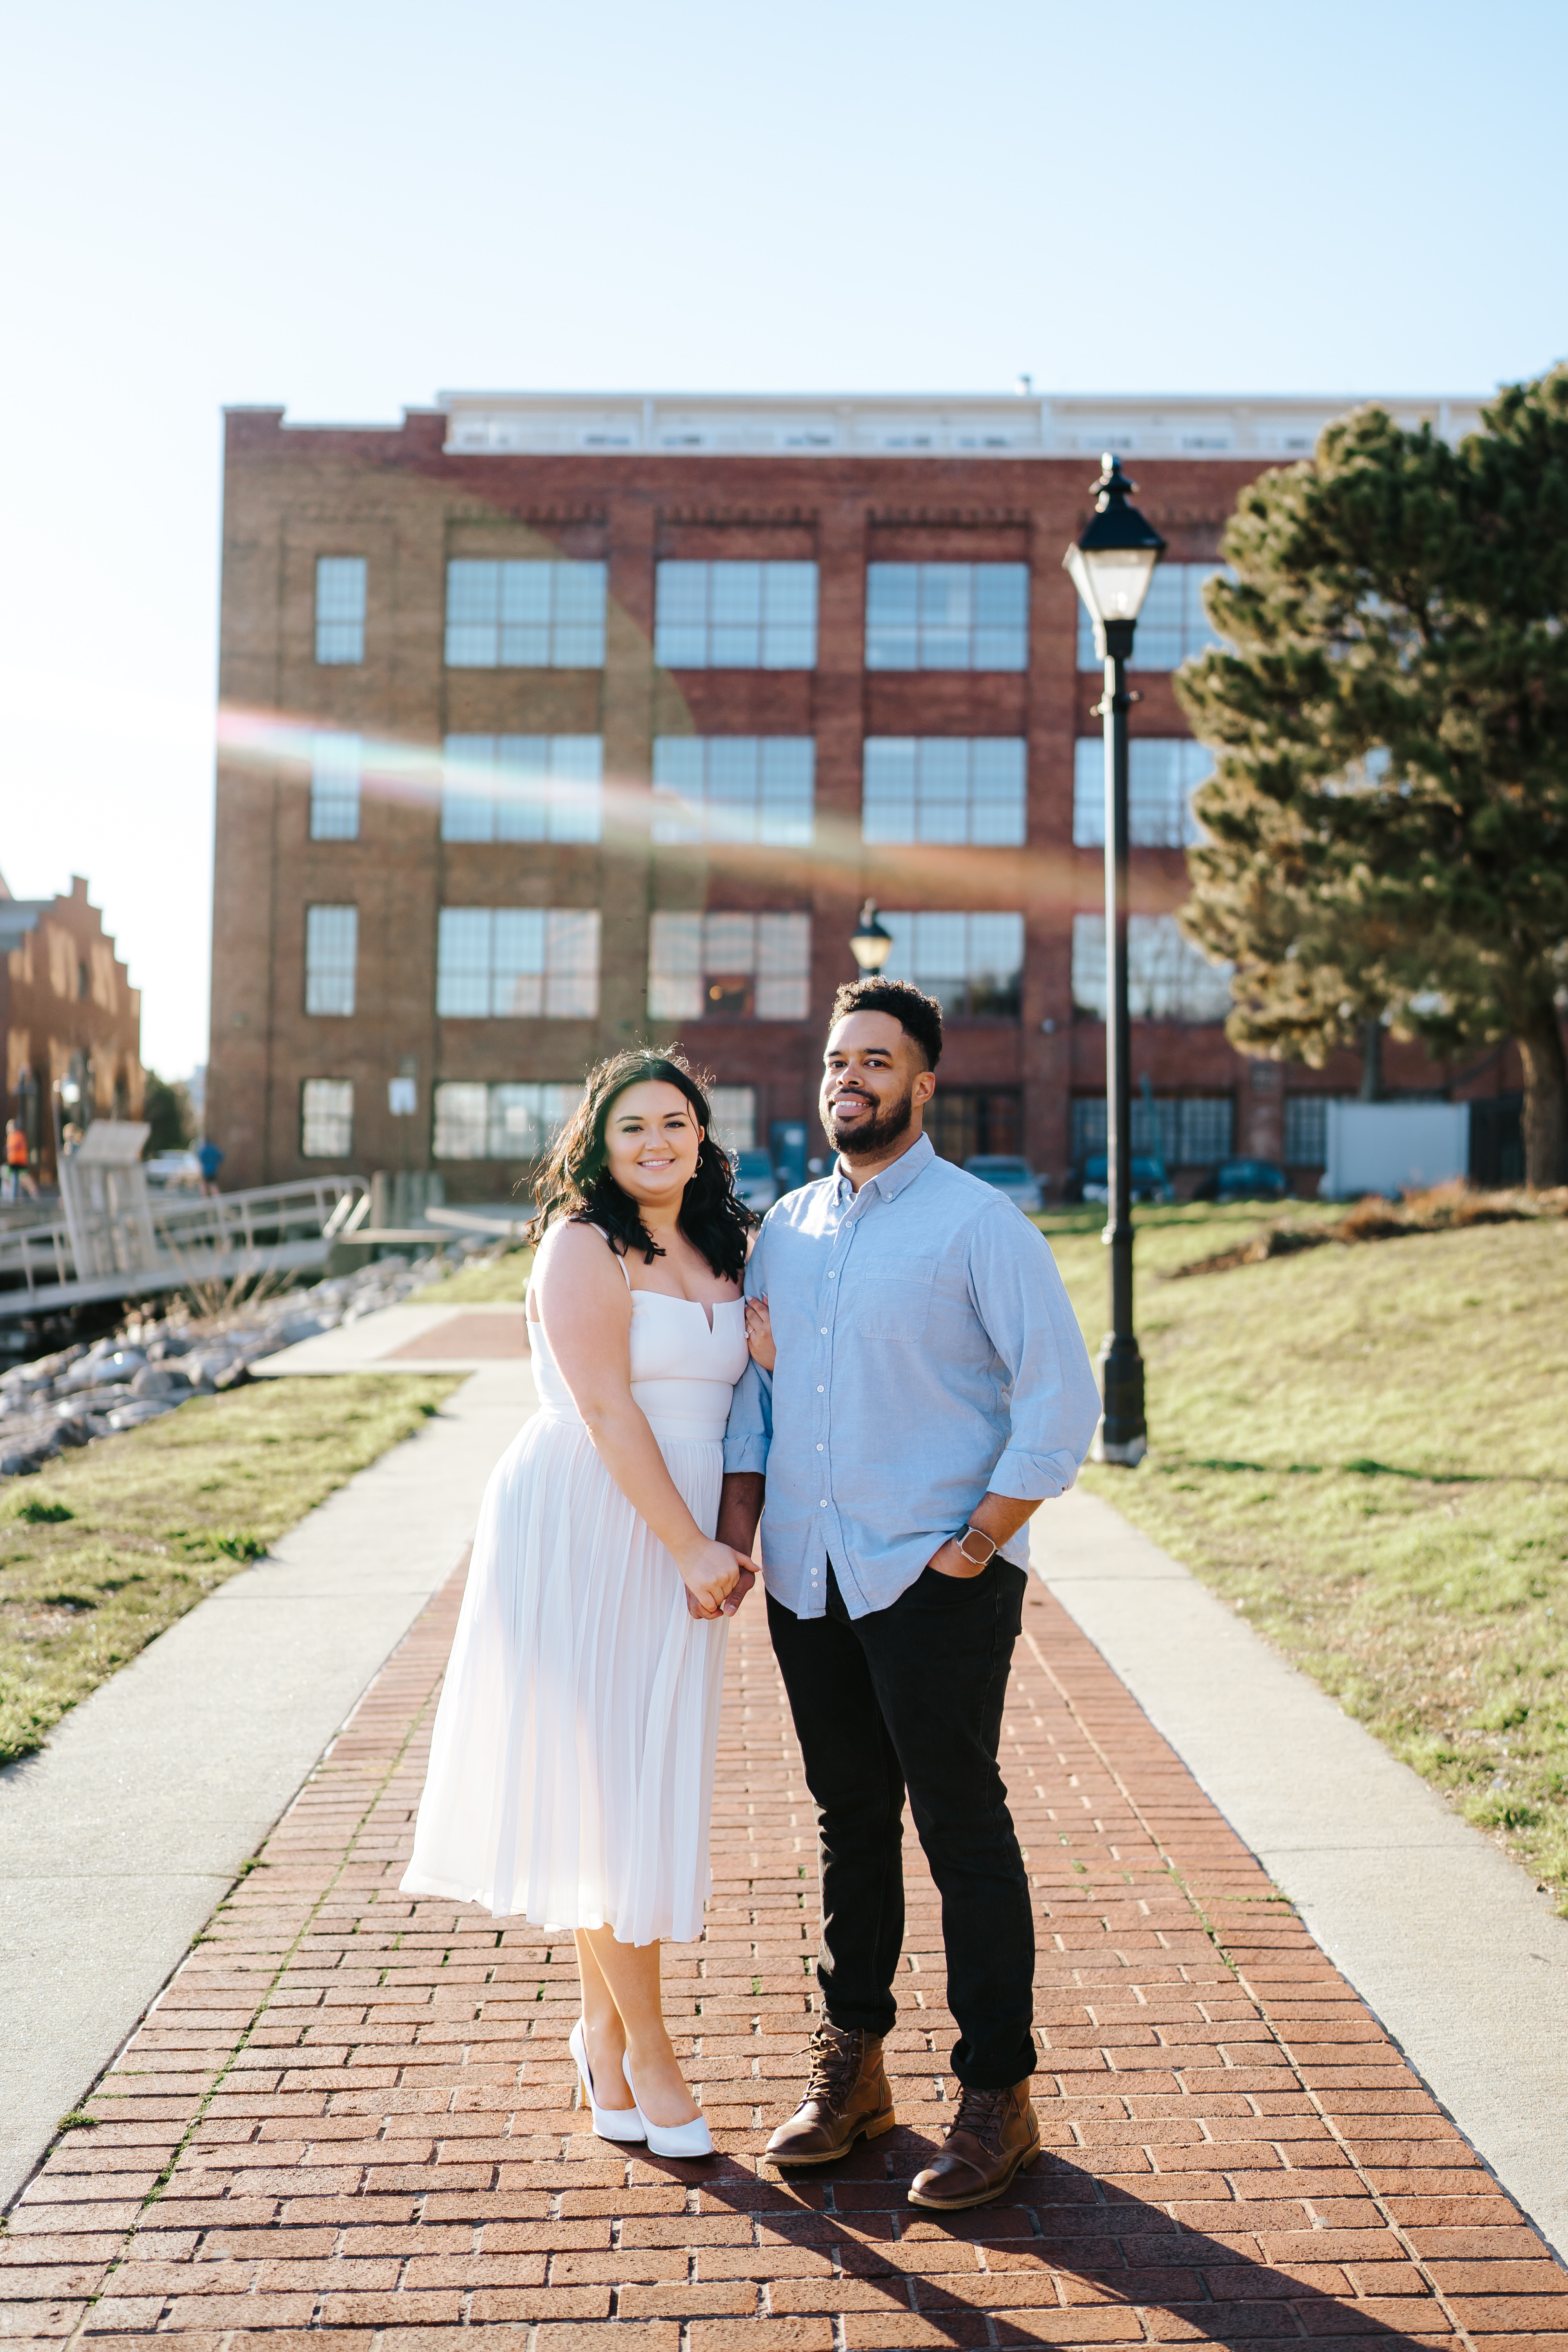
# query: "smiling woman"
{"type": "Point", "coordinates": [572, 1770]}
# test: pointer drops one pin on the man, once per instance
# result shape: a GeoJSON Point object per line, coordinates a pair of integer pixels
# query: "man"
{"type": "Point", "coordinates": [930, 1389]}
{"type": "Point", "coordinates": [209, 1159]}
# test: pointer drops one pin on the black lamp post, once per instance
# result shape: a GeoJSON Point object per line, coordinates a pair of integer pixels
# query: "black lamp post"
{"type": "Point", "coordinates": [1111, 565]}
{"type": "Point", "coordinates": [871, 944]}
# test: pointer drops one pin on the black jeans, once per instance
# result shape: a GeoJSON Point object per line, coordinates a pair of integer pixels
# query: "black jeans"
{"type": "Point", "coordinates": [911, 1696]}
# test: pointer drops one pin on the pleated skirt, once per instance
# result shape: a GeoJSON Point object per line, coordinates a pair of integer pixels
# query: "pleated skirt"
{"type": "Point", "coordinates": [571, 1778]}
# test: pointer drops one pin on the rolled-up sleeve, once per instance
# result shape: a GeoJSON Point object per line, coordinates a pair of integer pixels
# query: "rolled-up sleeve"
{"type": "Point", "coordinates": [749, 1431]}
{"type": "Point", "coordinates": [1054, 1405]}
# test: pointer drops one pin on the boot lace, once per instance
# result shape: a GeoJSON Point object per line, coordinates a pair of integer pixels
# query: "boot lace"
{"type": "Point", "coordinates": [982, 2114]}
{"type": "Point", "coordinates": [835, 2066]}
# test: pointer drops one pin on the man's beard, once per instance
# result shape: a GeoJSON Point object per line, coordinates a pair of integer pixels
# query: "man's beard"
{"type": "Point", "coordinates": [884, 1127]}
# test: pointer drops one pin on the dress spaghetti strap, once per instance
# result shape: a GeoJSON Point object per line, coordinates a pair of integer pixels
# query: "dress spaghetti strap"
{"type": "Point", "coordinates": [619, 1255]}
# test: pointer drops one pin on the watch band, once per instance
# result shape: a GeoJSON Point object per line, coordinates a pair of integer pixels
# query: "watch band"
{"type": "Point", "coordinates": [962, 1540]}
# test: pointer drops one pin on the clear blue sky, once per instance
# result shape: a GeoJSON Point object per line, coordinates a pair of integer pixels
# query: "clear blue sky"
{"type": "Point", "coordinates": [344, 207]}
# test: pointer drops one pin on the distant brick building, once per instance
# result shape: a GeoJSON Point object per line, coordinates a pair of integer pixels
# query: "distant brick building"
{"type": "Point", "coordinates": [550, 723]}
{"type": "Point", "coordinates": [69, 1017]}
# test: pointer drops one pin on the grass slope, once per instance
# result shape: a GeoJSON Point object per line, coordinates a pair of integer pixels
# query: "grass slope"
{"type": "Point", "coordinates": [107, 1546]}
{"type": "Point", "coordinates": [1361, 1449]}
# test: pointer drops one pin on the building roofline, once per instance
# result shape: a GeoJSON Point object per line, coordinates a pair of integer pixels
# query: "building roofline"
{"type": "Point", "coordinates": [938, 399]}
{"type": "Point", "coordinates": [1257, 426]}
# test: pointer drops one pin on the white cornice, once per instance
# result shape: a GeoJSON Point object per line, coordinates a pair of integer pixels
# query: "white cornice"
{"type": "Point", "coordinates": [1271, 426]}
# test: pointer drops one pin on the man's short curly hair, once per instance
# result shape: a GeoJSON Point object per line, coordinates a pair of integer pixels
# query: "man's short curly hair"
{"type": "Point", "coordinates": [917, 1015]}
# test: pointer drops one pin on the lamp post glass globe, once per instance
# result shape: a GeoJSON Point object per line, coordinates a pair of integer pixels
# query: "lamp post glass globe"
{"type": "Point", "coordinates": [870, 945]}
{"type": "Point", "coordinates": [1111, 562]}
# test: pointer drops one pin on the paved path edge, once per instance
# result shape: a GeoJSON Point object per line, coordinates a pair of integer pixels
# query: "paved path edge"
{"type": "Point", "coordinates": [118, 1839]}
{"type": "Point", "coordinates": [1447, 1939]}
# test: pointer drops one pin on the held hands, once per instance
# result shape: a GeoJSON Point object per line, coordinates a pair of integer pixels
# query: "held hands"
{"type": "Point", "coordinates": [760, 1333]}
{"type": "Point", "coordinates": [717, 1580]}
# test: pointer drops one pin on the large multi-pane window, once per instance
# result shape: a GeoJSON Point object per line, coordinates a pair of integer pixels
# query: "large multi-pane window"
{"type": "Point", "coordinates": [1163, 772]}
{"type": "Point", "coordinates": [734, 1112]}
{"type": "Point", "coordinates": [971, 963]}
{"type": "Point", "coordinates": [1183, 1130]}
{"type": "Point", "coordinates": [523, 788]}
{"type": "Point", "coordinates": [1172, 624]}
{"type": "Point", "coordinates": [326, 1118]}
{"type": "Point", "coordinates": [336, 764]}
{"type": "Point", "coordinates": [734, 788]}
{"type": "Point", "coordinates": [944, 788]}
{"type": "Point", "coordinates": [1306, 1130]}
{"type": "Point", "coordinates": [340, 609]}
{"type": "Point", "coordinates": [723, 967]}
{"type": "Point", "coordinates": [517, 963]}
{"type": "Point", "coordinates": [331, 957]}
{"type": "Point", "coordinates": [1168, 979]}
{"type": "Point", "coordinates": [544, 613]}
{"type": "Point", "coordinates": [736, 616]}
{"type": "Point", "coordinates": [947, 615]}
{"type": "Point", "coordinates": [474, 1121]}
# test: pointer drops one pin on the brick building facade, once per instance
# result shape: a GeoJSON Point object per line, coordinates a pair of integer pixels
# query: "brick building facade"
{"type": "Point", "coordinates": [554, 723]}
{"type": "Point", "coordinates": [69, 1017]}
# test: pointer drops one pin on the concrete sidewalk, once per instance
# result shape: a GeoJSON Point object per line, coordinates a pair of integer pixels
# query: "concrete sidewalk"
{"type": "Point", "coordinates": [408, 1338]}
{"type": "Point", "coordinates": [118, 1838]}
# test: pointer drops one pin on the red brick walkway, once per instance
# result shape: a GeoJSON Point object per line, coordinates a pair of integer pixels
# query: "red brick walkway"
{"type": "Point", "coordinates": [350, 2114]}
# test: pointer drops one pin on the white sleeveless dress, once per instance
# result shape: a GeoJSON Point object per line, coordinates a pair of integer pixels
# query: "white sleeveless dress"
{"type": "Point", "coordinates": [571, 1778]}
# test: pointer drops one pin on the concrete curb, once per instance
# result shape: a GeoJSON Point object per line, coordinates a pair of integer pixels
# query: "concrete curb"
{"type": "Point", "coordinates": [118, 1839]}
{"type": "Point", "coordinates": [1441, 1935]}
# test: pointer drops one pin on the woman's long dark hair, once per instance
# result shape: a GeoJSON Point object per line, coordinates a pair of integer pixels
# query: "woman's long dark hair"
{"type": "Point", "coordinates": [575, 1181]}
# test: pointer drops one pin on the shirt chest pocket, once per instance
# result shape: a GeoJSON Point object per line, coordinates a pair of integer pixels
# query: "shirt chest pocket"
{"type": "Point", "coordinates": [894, 1302]}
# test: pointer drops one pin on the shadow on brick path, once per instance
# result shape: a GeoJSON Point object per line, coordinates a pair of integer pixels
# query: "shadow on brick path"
{"type": "Point", "coordinates": [352, 2114]}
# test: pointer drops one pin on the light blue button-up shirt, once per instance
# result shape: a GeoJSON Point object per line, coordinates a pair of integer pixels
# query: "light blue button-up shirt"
{"type": "Point", "coordinates": [927, 1353]}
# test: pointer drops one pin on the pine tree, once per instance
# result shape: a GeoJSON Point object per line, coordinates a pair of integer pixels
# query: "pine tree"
{"type": "Point", "coordinates": [1387, 823]}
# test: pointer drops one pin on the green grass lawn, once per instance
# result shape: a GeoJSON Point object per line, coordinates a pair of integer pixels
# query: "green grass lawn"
{"type": "Point", "coordinates": [1361, 1448]}
{"type": "Point", "coordinates": [105, 1548]}
{"type": "Point", "coordinates": [492, 1279]}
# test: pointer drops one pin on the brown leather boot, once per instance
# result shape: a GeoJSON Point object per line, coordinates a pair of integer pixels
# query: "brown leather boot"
{"type": "Point", "coordinates": [848, 2096]}
{"type": "Point", "coordinates": [993, 2135]}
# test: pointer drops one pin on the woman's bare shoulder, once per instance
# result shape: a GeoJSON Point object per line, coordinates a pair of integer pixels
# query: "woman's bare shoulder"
{"type": "Point", "coordinates": [578, 1255]}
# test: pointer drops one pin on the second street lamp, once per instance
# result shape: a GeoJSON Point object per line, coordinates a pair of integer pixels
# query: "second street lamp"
{"type": "Point", "coordinates": [871, 944]}
{"type": "Point", "coordinates": [1111, 563]}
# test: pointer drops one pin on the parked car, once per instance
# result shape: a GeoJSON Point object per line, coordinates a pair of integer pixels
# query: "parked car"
{"type": "Point", "coordinates": [1089, 1181]}
{"type": "Point", "coordinates": [174, 1172]}
{"type": "Point", "coordinates": [755, 1183]}
{"type": "Point", "coordinates": [1013, 1177]}
{"type": "Point", "coordinates": [1245, 1180]}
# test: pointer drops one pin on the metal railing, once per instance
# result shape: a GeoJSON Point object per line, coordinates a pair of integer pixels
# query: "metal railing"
{"type": "Point", "coordinates": [194, 1238]}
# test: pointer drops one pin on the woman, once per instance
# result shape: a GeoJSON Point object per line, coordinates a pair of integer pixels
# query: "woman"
{"type": "Point", "coordinates": [571, 1772]}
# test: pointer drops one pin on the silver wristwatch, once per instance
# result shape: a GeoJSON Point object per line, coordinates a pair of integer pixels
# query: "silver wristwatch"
{"type": "Point", "coordinates": [987, 1556]}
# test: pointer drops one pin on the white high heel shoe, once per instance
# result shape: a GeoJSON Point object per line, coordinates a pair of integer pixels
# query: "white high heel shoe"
{"type": "Point", "coordinates": [671, 2139]}
{"type": "Point", "coordinates": [610, 2123]}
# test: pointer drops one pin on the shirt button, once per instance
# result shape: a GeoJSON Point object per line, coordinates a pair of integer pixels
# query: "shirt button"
{"type": "Point", "coordinates": [833, 1277]}
{"type": "Point", "coordinates": [823, 1329]}
{"type": "Point", "coordinates": [823, 1504]}
{"type": "Point", "coordinates": [819, 1449]}
{"type": "Point", "coordinates": [820, 1390]}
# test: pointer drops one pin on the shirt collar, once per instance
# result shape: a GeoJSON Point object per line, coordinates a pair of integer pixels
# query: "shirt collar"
{"type": "Point", "coordinates": [896, 1178]}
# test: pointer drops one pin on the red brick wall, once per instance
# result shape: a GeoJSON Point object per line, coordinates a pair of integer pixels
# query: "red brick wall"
{"type": "Point", "coordinates": [47, 1018]}
{"type": "Point", "coordinates": [397, 498]}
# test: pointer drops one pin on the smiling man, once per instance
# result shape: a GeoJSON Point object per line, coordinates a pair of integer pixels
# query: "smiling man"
{"type": "Point", "coordinates": [931, 1389]}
